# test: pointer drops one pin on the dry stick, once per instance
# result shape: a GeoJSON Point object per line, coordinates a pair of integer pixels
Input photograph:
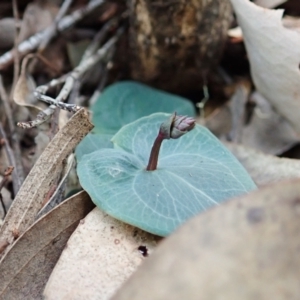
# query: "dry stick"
{"type": "Point", "coordinates": [4, 180]}
{"type": "Point", "coordinates": [3, 205]}
{"type": "Point", "coordinates": [74, 95]}
{"type": "Point", "coordinates": [84, 65]}
{"type": "Point", "coordinates": [18, 176]}
{"type": "Point", "coordinates": [52, 32]}
{"type": "Point", "coordinates": [42, 89]}
{"type": "Point", "coordinates": [30, 198]}
{"type": "Point", "coordinates": [47, 113]}
{"type": "Point", "coordinates": [66, 106]}
{"type": "Point", "coordinates": [53, 28]}
{"type": "Point", "coordinates": [99, 37]}
{"type": "Point", "coordinates": [34, 41]}
{"type": "Point", "coordinates": [16, 44]}
{"type": "Point", "coordinates": [15, 158]}
{"type": "Point", "coordinates": [7, 107]}
{"type": "Point", "coordinates": [8, 150]}
{"type": "Point", "coordinates": [92, 48]}
{"type": "Point", "coordinates": [105, 69]}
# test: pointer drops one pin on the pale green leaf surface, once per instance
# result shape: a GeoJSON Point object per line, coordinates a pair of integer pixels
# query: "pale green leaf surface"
{"type": "Point", "coordinates": [194, 173]}
{"type": "Point", "coordinates": [126, 101]}
{"type": "Point", "coordinates": [93, 142]}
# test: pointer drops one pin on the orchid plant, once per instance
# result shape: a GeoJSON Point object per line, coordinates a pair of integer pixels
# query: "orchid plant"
{"type": "Point", "coordinates": [157, 186]}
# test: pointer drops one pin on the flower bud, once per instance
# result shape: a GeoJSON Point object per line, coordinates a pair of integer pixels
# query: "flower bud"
{"type": "Point", "coordinates": [176, 126]}
{"type": "Point", "coordinates": [181, 125]}
{"type": "Point", "coordinates": [173, 128]}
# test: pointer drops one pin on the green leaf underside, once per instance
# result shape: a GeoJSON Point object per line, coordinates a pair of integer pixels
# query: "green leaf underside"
{"type": "Point", "coordinates": [194, 173]}
{"type": "Point", "coordinates": [124, 102]}
{"type": "Point", "coordinates": [93, 142]}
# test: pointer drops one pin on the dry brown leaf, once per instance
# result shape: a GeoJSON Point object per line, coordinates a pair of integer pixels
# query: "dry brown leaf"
{"type": "Point", "coordinates": [41, 140]}
{"type": "Point", "coordinates": [23, 91]}
{"type": "Point", "coordinates": [273, 52]}
{"type": "Point", "coordinates": [269, 3]}
{"type": "Point", "coordinates": [32, 193]}
{"type": "Point", "coordinates": [228, 120]}
{"type": "Point", "coordinates": [291, 23]}
{"type": "Point", "coordinates": [235, 34]}
{"type": "Point", "coordinates": [268, 131]}
{"type": "Point", "coordinates": [288, 22]}
{"type": "Point", "coordinates": [26, 267]}
{"type": "Point", "coordinates": [58, 195]}
{"type": "Point", "coordinates": [100, 255]}
{"type": "Point", "coordinates": [55, 55]}
{"type": "Point", "coordinates": [7, 32]}
{"type": "Point", "coordinates": [265, 169]}
{"type": "Point", "coordinates": [36, 18]}
{"type": "Point", "coordinates": [7, 200]}
{"type": "Point", "coordinates": [237, 107]}
{"type": "Point", "coordinates": [246, 248]}
{"type": "Point", "coordinates": [219, 122]}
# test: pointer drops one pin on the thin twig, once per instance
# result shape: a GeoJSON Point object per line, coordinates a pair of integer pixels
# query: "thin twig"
{"type": "Point", "coordinates": [52, 32]}
{"type": "Point", "coordinates": [105, 69]}
{"type": "Point", "coordinates": [4, 180]}
{"type": "Point", "coordinates": [7, 107]}
{"type": "Point", "coordinates": [87, 64]}
{"type": "Point", "coordinates": [98, 39]}
{"type": "Point", "coordinates": [42, 89]}
{"type": "Point", "coordinates": [35, 40]}
{"type": "Point", "coordinates": [66, 106]}
{"type": "Point", "coordinates": [54, 27]}
{"type": "Point", "coordinates": [3, 206]}
{"type": "Point", "coordinates": [14, 156]}
{"type": "Point", "coordinates": [12, 161]}
{"type": "Point", "coordinates": [41, 118]}
{"type": "Point", "coordinates": [74, 95]}
{"type": "Point", "coordinates": [91, 49]}
{"type": "Point", "coordinates": [16, 45]}
{"type": "Point", "coordinates": [83, 67]}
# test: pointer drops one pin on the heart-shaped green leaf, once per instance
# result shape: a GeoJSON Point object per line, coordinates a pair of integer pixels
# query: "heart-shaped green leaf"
{"type": "Point", "coordinates": [93, 142]}
{"type": "Point", "coordinates": [194, 173]}
{"type": "Point", "coordinates": [126, 101]}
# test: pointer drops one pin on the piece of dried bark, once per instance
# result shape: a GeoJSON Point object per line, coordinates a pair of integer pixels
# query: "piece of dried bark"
{"type": "Point", "coordinates": [32, 193]}
{"type": "Point", "coordinates": [26, 267]}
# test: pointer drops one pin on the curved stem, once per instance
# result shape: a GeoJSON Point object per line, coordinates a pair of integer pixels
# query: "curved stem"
{"type": "Point", "coordinates": [152, 164]}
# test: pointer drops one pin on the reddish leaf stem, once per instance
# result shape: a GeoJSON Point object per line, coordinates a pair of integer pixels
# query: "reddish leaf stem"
{"type": "Point", "coordinates": [152, 164]}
